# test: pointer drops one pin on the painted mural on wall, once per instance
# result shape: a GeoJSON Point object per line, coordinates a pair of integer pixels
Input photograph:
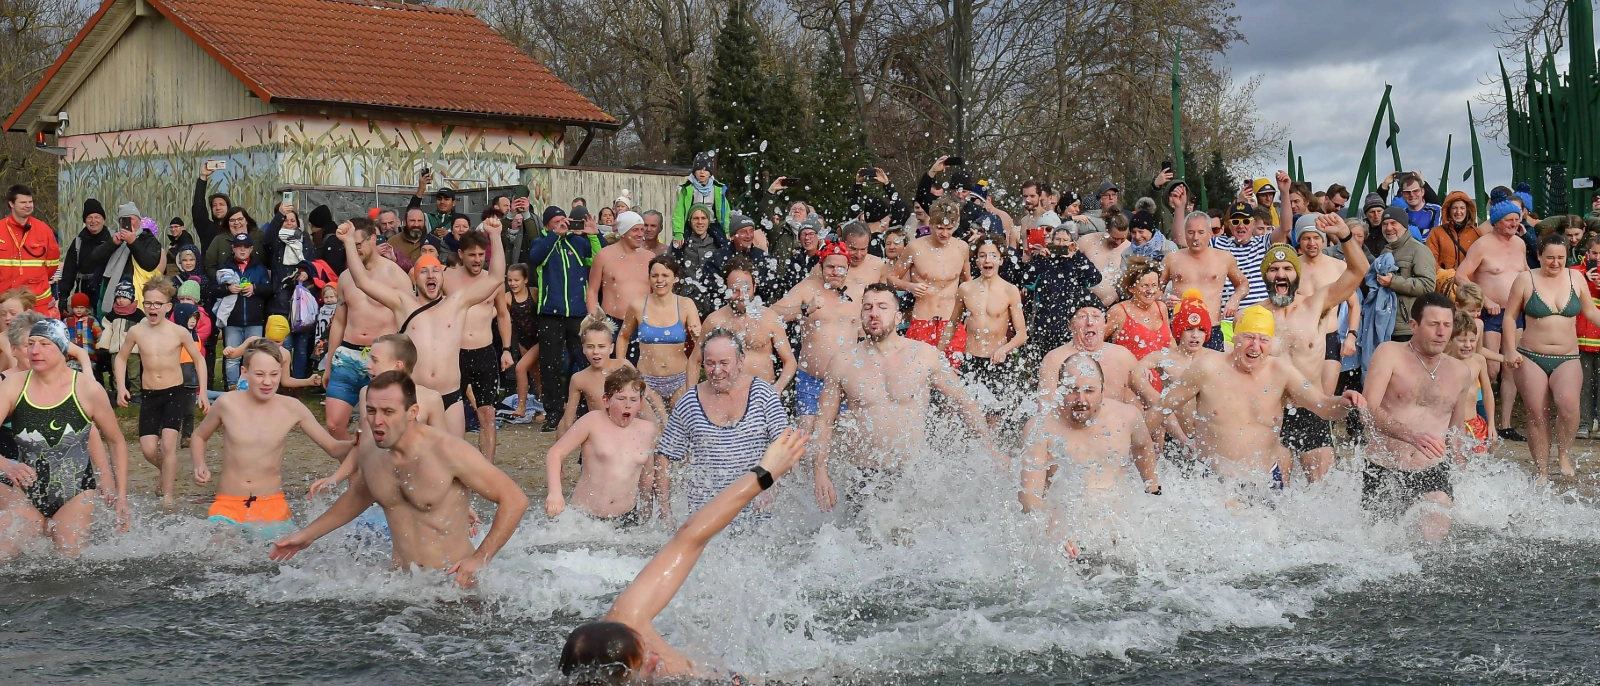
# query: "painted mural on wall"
{"type": "Point", "coordinates": [156, 168]}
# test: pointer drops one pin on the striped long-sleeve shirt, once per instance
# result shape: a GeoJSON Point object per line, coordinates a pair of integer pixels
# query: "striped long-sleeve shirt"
{"type": "Point", "coordinates": [1249, 256]}
{"type": "Point", "coordinates": [722, 454]}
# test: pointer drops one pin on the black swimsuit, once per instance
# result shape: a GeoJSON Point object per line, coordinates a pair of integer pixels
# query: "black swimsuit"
{"type": "Point", "coordinates": [54, 441]}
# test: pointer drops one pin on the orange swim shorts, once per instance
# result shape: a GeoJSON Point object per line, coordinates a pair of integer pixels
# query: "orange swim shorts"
{"type": "Point", "coordinates": [256, 514]}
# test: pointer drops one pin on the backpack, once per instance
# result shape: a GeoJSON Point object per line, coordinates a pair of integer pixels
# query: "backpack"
{"type": "Point", "coordinates": [303, 310]}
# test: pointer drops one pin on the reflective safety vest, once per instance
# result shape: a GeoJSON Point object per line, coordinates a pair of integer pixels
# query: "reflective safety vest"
{"type": "Point", "coordinates": [29, 256]}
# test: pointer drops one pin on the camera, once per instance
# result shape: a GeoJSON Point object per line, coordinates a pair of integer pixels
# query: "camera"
{"type": "Point", "coordinates": [955, 161]}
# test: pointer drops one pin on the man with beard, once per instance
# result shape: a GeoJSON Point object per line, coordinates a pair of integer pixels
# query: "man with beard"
{"type": "Point", "coordinates": [1239, 399]}
{"type": "Point", "coordinates": [1415, 274]}
{"type": "Point", "coordinates": [1121, 378]}
{"type": "Point", "coordinates": [831, 322]}
{"type": "Point", "coordinates": [424, 479]}
{"type": "Point", "coordinates": [480, 366]}
{"type": "Point", "coordinates": [934, 266]}
{"type": "Point", "coordinates": [433, 319]}
{"type": "Point", "coordinates": [1297, 321]}
{"type": "Point", "coordinates": [409, 241]}
{"type": "Point", "coordinates": [358, 322]}
{"type": "Point", "coordinates": [760, 332]}
{"type": "Point", "coordinates": [1208, 270]}
{"type": "Point", "coordinates": [1413, 415]}
{"type": "Point", "coordinates": [885, 384]}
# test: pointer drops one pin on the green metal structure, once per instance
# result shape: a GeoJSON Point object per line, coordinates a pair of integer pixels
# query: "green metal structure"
{"type": "Point", "coordinates": [1553, 121]}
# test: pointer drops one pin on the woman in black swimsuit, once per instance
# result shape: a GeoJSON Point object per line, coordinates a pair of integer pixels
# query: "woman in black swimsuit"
{"type": "Point", "coordinates": [524, 331]}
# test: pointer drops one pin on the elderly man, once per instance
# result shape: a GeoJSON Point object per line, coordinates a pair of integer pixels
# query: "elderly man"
{"type": "Point", "coordinates": [1415, 273]}
{"type": "Point", "coordinates": [741, 241]}
{"type": "Point", "coordinates": [1207, 270]}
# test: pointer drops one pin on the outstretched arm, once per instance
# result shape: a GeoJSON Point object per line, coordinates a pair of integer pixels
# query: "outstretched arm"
{"type": "Point", "coordinates": [344, 510]}
{"type": "Point", "coordinates": [479, 290]}
{"type": "Point", "coordinates": [319, 435]}
{"type": "Point", "coordinates": [364, 280]}
{"type": "Point", "coordinates": [827, 414]}
{"type": "Point", "coordinates": [573, 439]}
{"type": "Point", "coordinates": [1355, 264]}
{"type": "Point", "coordinates": [1304, 394]}
{"type": "Point", "coordinates": [480, 476]}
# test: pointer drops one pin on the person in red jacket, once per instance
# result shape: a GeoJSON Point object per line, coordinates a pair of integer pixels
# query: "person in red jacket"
{"type": "Point", "coordinates": [1589, 341]}
{"type": "Point", "coordinates": [29, 253]}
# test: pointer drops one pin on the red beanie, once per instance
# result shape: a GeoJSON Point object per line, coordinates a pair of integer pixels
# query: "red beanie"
{"type": "Point", "coordinates": [80, 299]}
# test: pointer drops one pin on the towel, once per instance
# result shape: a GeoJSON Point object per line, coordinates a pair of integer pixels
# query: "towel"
{"type": "Point", "coordinates": [1378, 310]}
{"type": "Point", "coordinates": [224, 306]}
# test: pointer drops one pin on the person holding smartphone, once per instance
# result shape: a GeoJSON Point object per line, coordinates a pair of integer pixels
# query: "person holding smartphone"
{"type": "Point", "coordinates": [1066, 278]}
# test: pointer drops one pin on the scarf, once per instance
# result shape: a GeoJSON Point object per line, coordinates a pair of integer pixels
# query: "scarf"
{"type": "Point", "coordinates": [293, 251]}
{"type": "Point", "coordinates": [705, 190]}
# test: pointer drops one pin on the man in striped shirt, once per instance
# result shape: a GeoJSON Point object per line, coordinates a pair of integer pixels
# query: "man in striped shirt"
{"type": "Point", "coordinates": [725, 424]}
{"type": "Point", "coordinates": [1248, 243]}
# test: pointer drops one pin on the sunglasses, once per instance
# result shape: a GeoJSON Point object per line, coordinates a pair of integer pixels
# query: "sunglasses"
{"type": "Point", "coordinates": [1239, 222]}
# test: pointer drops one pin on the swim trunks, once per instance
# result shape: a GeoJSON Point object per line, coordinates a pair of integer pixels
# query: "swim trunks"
{"type": "Point", "coordinates": [163, 409]}
{"type": "Point", "coordinates": [1214, 341]}
{"type": "Point", "coordinates": [1393, 491]}
{"type": "Point", "coordinates": [808, 393]}
{"type": "Point", "coordinates": [263, 516]}
{"type": "Point", "coordinates": [931, 330]}
{"type": "Point", "coordinates": [1478, 429]}
{"type": "Point", "coordinates": [1304, 431]}
{"type": "Point", "coordinates": [480, 371]}
{"type": "Point", "coordinates": [626, 520]}
{"type": "Point", "coordinates": [1493, 322]}
{"type": "Point", "coordinates": [347, 373]}
{"type": "Point", "coordinates": [1333, 344]}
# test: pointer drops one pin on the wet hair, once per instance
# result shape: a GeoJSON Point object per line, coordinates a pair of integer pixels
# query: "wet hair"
{"type": "Point", "coordinates": [880, 288]}
{"type": "Point", "coordinates": [853, 230]}
{"type": "Point", "coordinates": [1463, 323]}
{"type": "Point", "coordinates": [602, 653]}
{"type": "Point", "coordinates": [622, 378]}
{"type": "Point", "coordinates": [1079, 361]}
{"type": "Point", "coordinates": [1427, 300]}
{"type": "Point", "coordinates": [738, 263]}
{"type": "Point", "coordinates": [1115, 219]}
{"type": "Point", "coordinates": [945, 211]}
{"type": "Point", "coordinates": [400, 345]}
{"type": "Point", "coordinates": [408, 388]}
{"type": "Point", "coordinates": [29, 300]}
{"type": "Point", "coordinates": [720, 332]}
{"type": "Point", "coordinates": [667, 261]}
{"type": "Point", "coordinates": [519, 269]}
{"type": "Point", "coordinates": [1549, 239]}
{"type": "Point", "coordinates": [1135, 268]}
{"type": "Point", "coordinates": [21, 327]}
{"type": "Point", "coordinates": [264, 346]}
{"type": "Point", "coordinates": [596, 323]}
{"type": "Point", "coordinates": [472, 239]}
{"type": "Point", "coordinates": [1468, 294]}
{"type": "Point", "coordinates": [162, 286]}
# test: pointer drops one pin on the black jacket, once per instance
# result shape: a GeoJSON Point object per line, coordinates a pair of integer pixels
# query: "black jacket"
{"type": "Point", "coordinates": [283, 276]}
{"type": "Point", "coordinates": [84, 265]}
{"type": "Point", "coordinates": [1062, 287]}
{"type": "Point", "coordinates": [200, 216]}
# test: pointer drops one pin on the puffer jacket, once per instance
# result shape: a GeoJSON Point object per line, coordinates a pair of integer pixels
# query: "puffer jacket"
{"type": "Point", "coordinates": [1449, 243]}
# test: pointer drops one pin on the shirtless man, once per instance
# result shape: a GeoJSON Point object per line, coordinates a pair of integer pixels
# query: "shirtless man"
{"type": "Point", "coordinates": [1298, 318]}
{"type": "Point", "coordinates": [1119, 370]}
{"type": "Point", "coordinates": [761, 333]}
{"type": "Point", "coordinates": [621, 271]}
{"type": "Point", "coordinates": [358, 322]}
{"type": "Point", "coordinates": [390, 352]}
{"type": "Point", "coordinates": [1422, 396]}
{"type": "Point", "coordinates": [163, 402]}
{"type": "Point", "coordinates": [256, 425]}
{"type": "Point", "coordinates": [1319, 270]}
{"type": "Point", "coordinates": [1091, 434]}
{"type": "Point", "coordinates": [886, 381]}
{"type": "Point", "coordinates": [865, 268]}
{"type": "Point", "coordinates": [587, 387]}
{"type": "Point", "coordinates": [1493, 262]}
{"type": "Point", "coordinates": [832, 322]}
{"type": "Point", "coordinates": [932, 268]}
{"type": "Point", "coordinates": [437, 319]}
{"type": "Point", "coordinates": [425, 479]}
{"type": "Point", "coordinates": [993, 309]}
{"type": "Point", "coordinates": [53, 412]}
{"type": "Point", "coordinates": [1204, 268]}
{"type": "Point", "coordinates": [617, 444]}
{"type": "Point", "coordinates": [1239, 399]}
{"type": "Point", "coordinates": [1106, 252]}
{"type": "Point", "coordinates": [480, 367]}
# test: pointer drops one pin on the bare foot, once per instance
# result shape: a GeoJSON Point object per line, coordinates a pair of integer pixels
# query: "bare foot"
{"type": "Point", "coordinates": [1566, 467]}
{"type": "Point", "coordinates": [169, 504]}
{"type": "Point", "coordinates": [521, 410]}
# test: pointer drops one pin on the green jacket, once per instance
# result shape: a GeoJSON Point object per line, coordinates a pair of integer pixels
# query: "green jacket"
{"type": "Point", "coordinates": [680, 211]}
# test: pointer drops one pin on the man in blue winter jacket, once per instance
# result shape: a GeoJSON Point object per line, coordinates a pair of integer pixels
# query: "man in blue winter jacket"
{"type": "Point", "coordinates": [561, 259]}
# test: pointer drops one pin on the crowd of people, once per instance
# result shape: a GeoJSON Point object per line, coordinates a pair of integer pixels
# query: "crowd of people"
{"type": "Point", "coordinates": [1129, 343]}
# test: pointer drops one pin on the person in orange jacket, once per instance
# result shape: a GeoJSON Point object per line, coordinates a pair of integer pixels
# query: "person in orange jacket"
{"type": "Point", "coordinates": [29, 252]}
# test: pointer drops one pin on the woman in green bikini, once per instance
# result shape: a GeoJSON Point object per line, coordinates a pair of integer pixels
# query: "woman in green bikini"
{"type": "Point", "coordinates": [1550, 298]}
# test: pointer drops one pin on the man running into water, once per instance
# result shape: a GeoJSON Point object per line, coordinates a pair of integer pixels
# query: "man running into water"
{"type": "Point", "coordinates": [886, 383]}
{"type": "Point", "coordinates": [164, 401]}
{"type": "Point", "coordinates": [1119, 369]}
{"type": "Point", "coordinates": [425, 479]}
{"type": "Point", "coordinates": [358, 322]}
{"type": "Point", "coordinates": [617, 446]}
{"type": "Point", "coordinates": [52, 411]}
{"type": "Point", "coordinates": [865, 268]}
{"type": "Point", "coordinates": [992, 309]}
{"type": "Point", "coordinates": [256, 425]}
{"type": "Point", "coordinates": [934, 266]}
{"type": "Point", "coordinates": [832, 322]}
{"type": "Point", "coordinates": [480, 366]}
{"type": "Point", "coordinates": [1106, 251]}
{"type": "Point", "coordinates": [1206, 270]}
{"type": "Point", "coordinates": [1098, 437]}
{"type": "Point", "coordinates": [761, 333]}
{"type": "Point", "coordinates": [624, 645]}
{"type": "Point", "coordinates": [434, 320]}
{"type": "Point", "coordinates": [389, 352]}
{"type": "Point", "coordinates": [1320, 270]}
{"type": "Point", "coordinates": [1298, 317]}
{"type": "Point", "coordinates": [1239, 399]}
{"type": "Point", "coordinates": [1422, 396]}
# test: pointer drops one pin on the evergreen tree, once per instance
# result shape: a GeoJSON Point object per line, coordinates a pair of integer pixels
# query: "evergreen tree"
{"type": "Point", "coordinates": [836, 142]}
{"type": "Point", "coordinates": [1221, 188]}
{"type": "Point", "coordinates": [736, 99]}
{"type": "Point", "coordinates": [688, 130]}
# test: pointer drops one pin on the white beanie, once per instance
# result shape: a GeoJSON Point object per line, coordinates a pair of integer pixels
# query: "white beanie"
{"type": "Point", "coordinates": [626, 221]}
{"type": "Point", "coordinates": [625, 199]}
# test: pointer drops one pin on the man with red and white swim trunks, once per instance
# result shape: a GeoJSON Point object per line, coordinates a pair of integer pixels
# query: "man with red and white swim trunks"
{"type": "Point", "coordinates": [932, 269]}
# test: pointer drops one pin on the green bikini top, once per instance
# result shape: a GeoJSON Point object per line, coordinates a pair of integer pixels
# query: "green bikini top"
{"type": "Point", "coordinates": [1538, 309]}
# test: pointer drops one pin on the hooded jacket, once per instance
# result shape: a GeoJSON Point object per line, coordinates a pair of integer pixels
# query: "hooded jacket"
{"type": "Point", "coordinates": [1415, 276]}
{"type": "Point", "coordinates": [1448, 242]}
{"type": "Point", "coordinates": [1163, 196]}
{"type": "Point", "coordinates": [560, 262]}
{"type": "Point", "coordinates": [251, 310]}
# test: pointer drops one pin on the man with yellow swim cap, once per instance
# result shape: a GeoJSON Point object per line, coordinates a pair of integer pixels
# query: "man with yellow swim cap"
{"type": "Point", "coordinates": [1298, 316]}
{"type": "Point", "coordinates": [1239, 399]}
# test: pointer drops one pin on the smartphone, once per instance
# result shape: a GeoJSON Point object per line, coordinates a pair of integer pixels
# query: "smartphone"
{"type": "Point", "coordinates": [954, 161]}
{"type": "Point", "coordinates": [793, 181]}
{"type": "Point", "coordinates": [868, 172]}
{"type": "Point", "coordinates": [1589, 265]}
{"type": "Point", "coordinates": [126, 223]}
{"type": "Point", "coordinates": [520, 191]}
{"type": "Point", "coordinates": [1061, 250]}
{"type": "Point", "coordinates": [425, 171]}
{"type": "Point", "coordinates": [1037, 236]}
{"type": "Point", "coordinates": [288, 198]}
{"type": "Point", "coordinates": [1166, 164]}
{"type": "Point", "coordinates": [216, 165]}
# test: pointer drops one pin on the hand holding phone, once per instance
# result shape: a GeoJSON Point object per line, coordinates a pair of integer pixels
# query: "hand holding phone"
{"type": "Point", "coordinates": [954, 161]}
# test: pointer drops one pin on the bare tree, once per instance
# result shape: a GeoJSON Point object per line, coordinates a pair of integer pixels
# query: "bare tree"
{"type": "Point", "coordinates": [32, 34]}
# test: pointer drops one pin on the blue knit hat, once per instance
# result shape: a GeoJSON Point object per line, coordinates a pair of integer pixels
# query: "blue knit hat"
{"type": "Point", "coordinates": [1527, 199]}
{"type": "Point", "coordinates": [1500, 209]}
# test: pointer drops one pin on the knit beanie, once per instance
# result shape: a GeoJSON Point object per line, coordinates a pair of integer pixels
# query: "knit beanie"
{"type": "Point", "coordinates": [92, 206]}
{"type": "Point", "coordinates": [189, 289]}
{"type": "Point", "coordinates": [1372, 200]}
{"type": "Point", "coordinates": [551, 212]}
{"type": "Point", "coordinates": [1500, 209]}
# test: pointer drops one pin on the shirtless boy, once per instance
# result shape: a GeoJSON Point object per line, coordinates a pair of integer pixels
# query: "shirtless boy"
{"type": "Point", "coordinates": [617, 445]}
{"type": "Point", "coordinates": [761, 333]}
{"type": "Point", "coordinates": [992, 309]}
{"type": "Point", "coordinates": [389, 352]}
{"type": "Point", "coordinates": [425, 479]}
{"type": "Point", "coordinates": [587, 387]}
{"type": "Point", "coordinates": [1121, 378]}
{"type": "Point", "coordinates": [480, 366]}
{"type": "Point", "coordinates": [1205, 269]}
{"type": "Point", "coordinates": [256, 424]}
{"type": "Point", "coordinates": [832, 322]}
{"type": "Point", "coordinates": [434, 320]}
{"type": "Point", "coordinates": [358, 322]}
{"type": "Point", "coordinates": [1421, 397]}
{"type": "Point", "coordinates": [164, 401]}
{"type": "Point", "coordinates": [934, 266]}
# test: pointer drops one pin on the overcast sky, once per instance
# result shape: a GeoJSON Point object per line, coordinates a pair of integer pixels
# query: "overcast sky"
{"type": "Point", "coordinates": [1323, 69]}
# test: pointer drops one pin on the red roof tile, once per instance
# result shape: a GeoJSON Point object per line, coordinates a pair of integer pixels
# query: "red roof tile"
{"type": "Point", "coordinates": [378, 54]}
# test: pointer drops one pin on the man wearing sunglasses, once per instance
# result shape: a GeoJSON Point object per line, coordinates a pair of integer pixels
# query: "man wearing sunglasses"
{"type": "Point", "coordinates": [1247, 247]}
{"type": "Point", "coordinates": [1336, 199]}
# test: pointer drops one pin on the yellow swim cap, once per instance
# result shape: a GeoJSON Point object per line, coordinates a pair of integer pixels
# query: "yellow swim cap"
{"type": "Point", "coordinates": [1255, 319]}
{"type": "Point", "coordinates": [277, 327]}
